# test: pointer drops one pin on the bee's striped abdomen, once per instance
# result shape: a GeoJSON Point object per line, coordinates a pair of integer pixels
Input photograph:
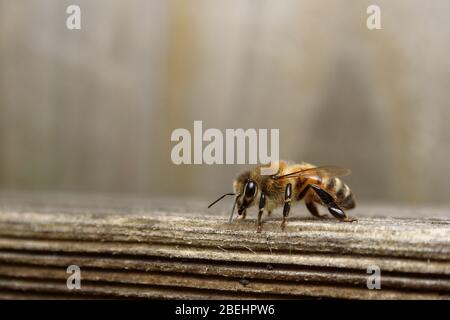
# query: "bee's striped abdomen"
{"type": "Point", "coordinates": [340, 191]}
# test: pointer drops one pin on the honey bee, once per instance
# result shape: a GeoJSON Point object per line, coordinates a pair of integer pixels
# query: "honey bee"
{"type": "Point", "coordinates": [292, 183]}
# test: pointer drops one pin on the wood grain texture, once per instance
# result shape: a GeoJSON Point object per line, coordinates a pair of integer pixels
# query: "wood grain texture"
{"type": "Point", "coordinates": [134, 248]}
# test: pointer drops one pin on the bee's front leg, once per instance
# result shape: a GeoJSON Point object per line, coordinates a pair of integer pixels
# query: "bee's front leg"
{"type": "Point", "coordinates": [262, 204]}
{"type": "Point", "coordinates": [287, 204]}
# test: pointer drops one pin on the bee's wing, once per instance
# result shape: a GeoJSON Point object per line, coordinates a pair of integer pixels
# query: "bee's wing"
{"type": "Point", "coordinates": [324, 171]}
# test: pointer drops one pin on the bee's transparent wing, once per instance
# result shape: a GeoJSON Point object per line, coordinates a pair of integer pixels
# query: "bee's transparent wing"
{"type": "Point", "coordinates": [323, 171]}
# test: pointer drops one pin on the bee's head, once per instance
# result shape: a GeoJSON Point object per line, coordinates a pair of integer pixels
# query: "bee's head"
{"type": "Point", "coordinates": [247, 190]}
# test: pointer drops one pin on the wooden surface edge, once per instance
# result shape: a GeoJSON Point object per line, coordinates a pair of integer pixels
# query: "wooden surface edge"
{"type": "Point", "coordinates": [176, 253]}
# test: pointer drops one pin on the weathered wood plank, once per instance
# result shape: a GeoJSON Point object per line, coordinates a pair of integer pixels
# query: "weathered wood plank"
{"type": "Point", "coordinates": [165, 250]}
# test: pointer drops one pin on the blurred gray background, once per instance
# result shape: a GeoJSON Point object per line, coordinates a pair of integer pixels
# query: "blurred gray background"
{"type": "Point", "coordinates": [93, 110]}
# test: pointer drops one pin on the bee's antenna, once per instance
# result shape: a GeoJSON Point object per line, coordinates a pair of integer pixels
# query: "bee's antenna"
{"type": "Point", "coordinates": [226, 194]}
{"type": "Point", "coordinates": [234, 206]}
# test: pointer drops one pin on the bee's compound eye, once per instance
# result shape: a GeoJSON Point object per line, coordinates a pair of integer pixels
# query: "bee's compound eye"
{"type": "Point", "coordinates": [250, 189]}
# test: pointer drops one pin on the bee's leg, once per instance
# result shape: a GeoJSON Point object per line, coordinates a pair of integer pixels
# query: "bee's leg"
{"type": "Point", "coordinates": [262, 204]}
{"type": "Point", "coordinates": [287, 204]}
{"type": "Point", "coordinates": [312, 208]}
{"type": "Point", "coordinates": [244, 214]}
{"type": "Point", "coordinates": [331, 204]}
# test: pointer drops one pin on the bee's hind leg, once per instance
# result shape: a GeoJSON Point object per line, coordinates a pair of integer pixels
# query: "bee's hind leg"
{"type": "Point", "coordinates": [287, 204]}
{"type": "Point", "coordinates": [312, 208]}
{"type": "Point", "coordinates": [331, 204]}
